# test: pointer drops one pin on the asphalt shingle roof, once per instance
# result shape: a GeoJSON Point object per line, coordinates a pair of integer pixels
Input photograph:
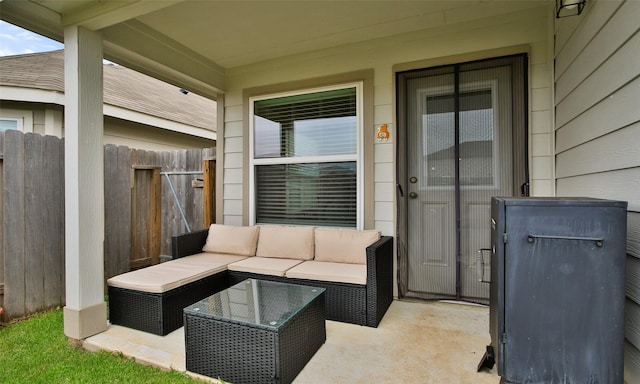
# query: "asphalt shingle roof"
{"type": "Point", "coordinates": [123, 88]}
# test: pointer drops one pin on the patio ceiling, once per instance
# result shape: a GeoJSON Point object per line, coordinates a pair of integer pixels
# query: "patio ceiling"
{"type": "Point", "coordinates": [192, 43]}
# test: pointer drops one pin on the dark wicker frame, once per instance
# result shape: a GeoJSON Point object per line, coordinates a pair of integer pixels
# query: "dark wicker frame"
{"type": "Point", "coordinates": [248, 354]}
{"type": "Point", "coordinates": [350, 303]}
{"type": "Point", "coordinates": [161, 313]}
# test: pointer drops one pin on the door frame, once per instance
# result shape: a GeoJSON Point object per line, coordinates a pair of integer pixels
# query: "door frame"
{"type": "Point", "coordinates": [520, 146]}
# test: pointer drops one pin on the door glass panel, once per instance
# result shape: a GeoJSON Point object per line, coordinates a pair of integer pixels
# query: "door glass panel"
{"type": "Point", "coordinates": [439, 140]}
{"type": "Point", "coordinates": [476, 139]}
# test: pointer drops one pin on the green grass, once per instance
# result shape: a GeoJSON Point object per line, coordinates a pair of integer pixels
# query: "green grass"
{"type": "Point", "coordinates": [36, 350]}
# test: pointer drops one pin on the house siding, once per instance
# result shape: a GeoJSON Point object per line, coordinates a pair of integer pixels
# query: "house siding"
{"type": "Point", "coordinates": [597, 88]}
{"type": "Point", "coordinates": [234, 148]}
{"type": "Point", "coordinates": [49, 120]}
{"type": "Point", "coordinates": [149, 138]}
{"type": "Point", "coordinates": [530, 31]}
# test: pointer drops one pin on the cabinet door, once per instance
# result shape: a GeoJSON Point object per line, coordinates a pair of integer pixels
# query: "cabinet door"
{"type": "Point", "coordinates": [564, 295]}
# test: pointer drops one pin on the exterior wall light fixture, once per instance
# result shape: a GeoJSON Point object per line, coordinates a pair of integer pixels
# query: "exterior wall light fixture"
{"type": "Point", "coordinates": [566, 8]}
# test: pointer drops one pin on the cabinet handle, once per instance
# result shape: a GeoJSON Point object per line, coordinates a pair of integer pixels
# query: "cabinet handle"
{"type": "Point", "coordinates": [532, 238]}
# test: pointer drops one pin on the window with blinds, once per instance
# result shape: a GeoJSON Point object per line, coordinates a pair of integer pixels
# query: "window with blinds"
{"type": "Point", "coordinates": [305, 158]}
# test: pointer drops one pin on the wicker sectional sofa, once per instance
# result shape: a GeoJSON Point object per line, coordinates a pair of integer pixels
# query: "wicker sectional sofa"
{"type": "Point", "coordinates": [355, 267]}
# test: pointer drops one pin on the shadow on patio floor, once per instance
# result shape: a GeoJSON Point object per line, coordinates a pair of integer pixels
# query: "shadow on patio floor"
{"type": "Point", "coordinates": [416, 342]}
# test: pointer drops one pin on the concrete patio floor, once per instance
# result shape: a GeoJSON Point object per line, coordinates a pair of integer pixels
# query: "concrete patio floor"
{"type": "Point", "coordinates": [416, 342]}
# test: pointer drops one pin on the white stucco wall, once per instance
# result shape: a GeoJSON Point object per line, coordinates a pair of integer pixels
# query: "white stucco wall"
{"type": "Point", "coordinates": [528, 31]}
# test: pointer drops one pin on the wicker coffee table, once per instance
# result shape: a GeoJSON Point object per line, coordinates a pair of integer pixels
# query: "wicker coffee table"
{"type": "Point", "coordinates": [255, 332]}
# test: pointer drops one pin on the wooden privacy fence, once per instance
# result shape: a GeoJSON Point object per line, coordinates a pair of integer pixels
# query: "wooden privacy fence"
{"type": "Point", "coordinates": [149, 197]}
{"type": "Point", "coordinates": [32, 236]}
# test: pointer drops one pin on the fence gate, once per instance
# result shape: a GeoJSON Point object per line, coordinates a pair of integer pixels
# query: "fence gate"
{"type": "Point", "coordinates": [146, 210]}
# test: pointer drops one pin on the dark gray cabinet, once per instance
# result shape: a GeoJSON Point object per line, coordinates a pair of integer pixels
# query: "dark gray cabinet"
{"type": "Point", "coordinates": [558, 290]}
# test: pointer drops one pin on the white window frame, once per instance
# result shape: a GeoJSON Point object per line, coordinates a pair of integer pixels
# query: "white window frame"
{"type": "Point", "coordinates": [358, 157]}
{"type": "Point", "coordinates": [24, 118]}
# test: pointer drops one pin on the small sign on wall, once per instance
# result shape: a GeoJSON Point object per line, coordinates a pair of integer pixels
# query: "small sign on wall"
{"type": "Point", "coordinates": [382, 133]}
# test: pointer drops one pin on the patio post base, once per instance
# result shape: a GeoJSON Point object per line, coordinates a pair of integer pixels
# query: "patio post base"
{"type": "Point", "coordinates": [82, 323]}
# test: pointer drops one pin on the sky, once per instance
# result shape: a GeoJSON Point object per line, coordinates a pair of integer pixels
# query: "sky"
{"type": "Point", "coordinates": [17, 41]}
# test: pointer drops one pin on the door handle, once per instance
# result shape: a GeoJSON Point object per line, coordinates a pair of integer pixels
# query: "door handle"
{"type": "Point", "coordinates": [413, 195]}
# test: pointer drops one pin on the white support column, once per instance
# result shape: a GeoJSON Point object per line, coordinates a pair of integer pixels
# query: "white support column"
{"type": "Point", "coordinates": [85, 313]}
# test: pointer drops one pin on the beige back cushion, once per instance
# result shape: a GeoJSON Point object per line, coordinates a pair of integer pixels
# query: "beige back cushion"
{"type": "Point", "coordinates": [231, 239]}
{"type": "Point", "coordinates": [344, 245]}
{"type": "Point", "coordinates": [286, 242]}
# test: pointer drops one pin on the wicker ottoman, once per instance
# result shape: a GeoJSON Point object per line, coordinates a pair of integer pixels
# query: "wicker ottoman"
{"type": "Point", "coordinates": [255, 332]}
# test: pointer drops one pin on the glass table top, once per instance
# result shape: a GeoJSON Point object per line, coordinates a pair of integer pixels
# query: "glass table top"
{"type": "Point", "coordinates": [264, 304]}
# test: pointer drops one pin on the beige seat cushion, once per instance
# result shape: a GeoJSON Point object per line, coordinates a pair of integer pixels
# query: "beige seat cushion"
{"type": "Point", "coordinates": [264, 265]}
{"type": "Point", "coordinates": [164, 277]}
{"type": "Point", "coordinates": [342, 245]}
{"type": "Point", "coordinates": [231, 239]}
{"type": "Point", "coordinates": [328, 271]}
{"type": "Point", "coordinates": [208, 259]}
{"type": "Point", "coordinates": [285, 242]}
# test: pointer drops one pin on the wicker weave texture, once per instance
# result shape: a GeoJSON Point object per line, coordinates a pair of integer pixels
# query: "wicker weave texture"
{"type": "Point", "coordinates": [379, 280]}
{"type": "Point", "coordinates": [244, 354]}
{"type": "Point", "coordinates": [344, 302]}
{"type": "Point", "coordinates": [160, 313]}
{"type": "Point", "coordinates": [135, 309]}
{"type": "Point", "coordinates": [188, 243]}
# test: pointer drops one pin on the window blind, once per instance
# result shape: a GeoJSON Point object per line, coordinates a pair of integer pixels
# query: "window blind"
{"type": "Point", "coordinates": [322, 194]}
